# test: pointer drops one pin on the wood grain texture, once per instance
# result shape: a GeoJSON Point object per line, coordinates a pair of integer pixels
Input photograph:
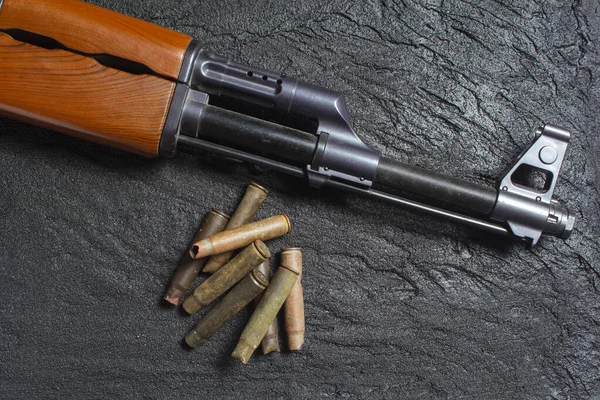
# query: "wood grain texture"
{"type": "Point", "coordinates": [95, 30]}
{"type": "Point", "coordinates": [75, 95]}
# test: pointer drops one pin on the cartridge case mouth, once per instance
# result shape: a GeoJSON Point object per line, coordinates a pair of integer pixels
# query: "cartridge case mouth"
{"type": "Point", "coordinates": [191, 305]}
{"type": "Point", "coordinates": [262, 248]}
{"type": "Point", "coordinates": [270, 343]}
{"type": "Point", "coordinates": [243, 352]}
{"type": "Point", "coordinates": [192, 339]}
{"type": "Point", "coordinates": [291, 259]}
{"type": "Point", "coordinates": [220, 213]}
{"type": "Point", "coordinates": [204, 245]}
{"type": "Point", "coordinates": [173, 296]}
{"type": "Point", "coordinates": [295, 341]}
{"type": "Point", "coordinates": [258, 186]}
{"type": "Point", "coordinates": [290, 249]}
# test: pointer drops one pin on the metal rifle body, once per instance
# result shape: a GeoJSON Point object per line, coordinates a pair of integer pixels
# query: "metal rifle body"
{"type": "Point", "coordinates": [328, 153]}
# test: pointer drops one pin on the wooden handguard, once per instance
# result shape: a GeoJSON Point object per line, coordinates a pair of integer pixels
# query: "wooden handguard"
{"type": "Point", "coordinates": [67, 90]}
{"type": "Point", "coordinates": [73, 94]}
{"type": "Point", "coordinates": [94, 30]}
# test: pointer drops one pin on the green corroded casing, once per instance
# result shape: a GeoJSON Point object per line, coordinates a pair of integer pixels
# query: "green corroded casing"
{"type": "Point", "coordinates": [245, 212]}
{"type": "Point", "coordinates": [270, 342]}
{"type": "Point", "coordinates": [214, 222]}
{"type": "Point", "coordinates": [226, 277]}
{"type": "Point", "coordinates": [222, 242]}
{"type": "Point", "coordinates": [238, 298]}
{"type": "Point", "coordinates": [265, 312]}
{"type": "Point", "coordinates": [293, 309]}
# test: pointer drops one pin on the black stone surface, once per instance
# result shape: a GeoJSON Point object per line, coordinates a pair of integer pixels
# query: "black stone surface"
{"type": "Point", "coordinates": [397, 305]}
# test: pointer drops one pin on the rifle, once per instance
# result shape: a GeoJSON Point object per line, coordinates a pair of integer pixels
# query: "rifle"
{"type": "Point", "coordinates": [125, 83]}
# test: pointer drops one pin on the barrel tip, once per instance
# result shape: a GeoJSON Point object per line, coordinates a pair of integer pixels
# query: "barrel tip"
{"type": "Point", "coordinates": [569, 225]}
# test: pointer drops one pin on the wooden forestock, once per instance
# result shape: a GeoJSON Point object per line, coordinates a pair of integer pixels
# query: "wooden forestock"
{"type": "Point", "coordinates": [69, 91]}
{"type": "Point", "coordinates": [74, 94]}
{"type": "Point", "coordinates": [94, 30]}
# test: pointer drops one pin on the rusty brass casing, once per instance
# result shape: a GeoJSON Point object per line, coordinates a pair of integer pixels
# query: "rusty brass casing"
{"type": "Point", "coordinates": [265, 312]}
{"type": "Point", "coordinates": [226, 277]}
{"type": "Point", "coordinates": [293, 308]}
{"type": "Point", "coordinates": [270, 342]}
{"type": "Point", "coordinates": [214, 222]}
{"type": "Point", "coordinates": [238, 298]}
{"type": "Point", "coordinates": [222, 242]}
{"type": "Point", "coordinates": [244, 213]}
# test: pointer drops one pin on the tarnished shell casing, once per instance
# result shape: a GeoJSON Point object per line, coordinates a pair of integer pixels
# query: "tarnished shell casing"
{"type": "Point", "coordinates": [265, 313]}
{"type": "Point", "coordinates": [226, 277]}
{"type": "Point", "coordinates": [270, 342]}
{"type": "Point", "coordinates": [264, 229]}
{"type": "Point", "coordinates": [238, 298]}
{"type": "Point", "coordinates": [293, 308]}
{"type": "Point", "coordinates": [214, 222]}
{"type": "Point", "coordinates": [245, 212]}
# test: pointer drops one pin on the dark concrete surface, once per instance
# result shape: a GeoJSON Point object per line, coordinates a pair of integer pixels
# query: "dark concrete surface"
{"type": "Point", "coordinates": [398, 305]}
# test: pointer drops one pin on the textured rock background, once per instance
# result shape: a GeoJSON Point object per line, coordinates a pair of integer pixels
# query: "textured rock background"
{"type": "Point", "coordinates": [398, 305]}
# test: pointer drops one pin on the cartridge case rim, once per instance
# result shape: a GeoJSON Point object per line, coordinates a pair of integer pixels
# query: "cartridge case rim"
{"type": "Point", "coordinates": [258, 186]}
{"type": "Point", "coordinates": [265, 269]}
{"type": "Point", "coordinates": [220, 213]}
{"type": "Point", "coordinates": [288, 222]}
{"type": "Point", "coordinates": [262, 249]}
{"type": "Point", "coordinates": [259, 278]}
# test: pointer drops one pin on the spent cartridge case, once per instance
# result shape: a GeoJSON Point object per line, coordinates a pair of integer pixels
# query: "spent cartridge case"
{"type": "Point", "coordinates": [270, 342]}
{"type": "Point", "coordinates": [293, 308]}
{"type": "Point", "coordinates": [265, 312]}
{"type": "Point", "coordinates": [226, 277]}
{"type": "Point", "coordinates": [238, 298]}
{"type": "Point", "coordinates": [214, 222]}
{"type": "Point", "coordinates": [244, 213]}
{"type": "Point", "coordinates": [264, 229]}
